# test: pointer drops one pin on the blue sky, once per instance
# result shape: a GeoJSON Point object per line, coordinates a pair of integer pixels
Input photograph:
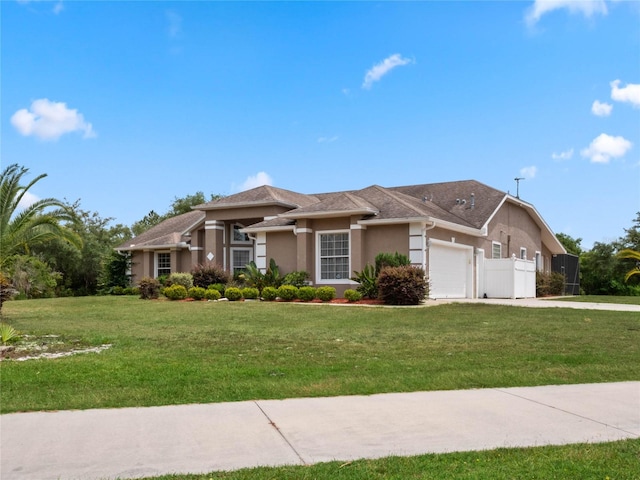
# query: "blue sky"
{"type": "Point", "coordinates": [127, 105]}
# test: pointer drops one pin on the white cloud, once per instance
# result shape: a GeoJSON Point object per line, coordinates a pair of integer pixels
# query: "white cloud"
{"type": "Point", "coordinates": [381, 69]}
{"type": "Point", "coordinates": [529, 172]}
{"type": "Point", "coordinates": [175, 23]}
{"type": "Point", "coordinates": [566, 155]}
{"type": "Point", "coordinates": [586, 7]}
{"type": "Point", "coordinates": [605, 147]}
{"type": "Point", "coordinates": [257, 180]}
{"type": "Point", "coordinates": [57, 8]}
{"type": "Point", "coordinates": [49, 120]}
{"type": "Point", "coordinates": [27, 200]}
{"type": "Point", "coordinates": [630, 93]}
{"type": "Point", "coordinates": [601, 109]}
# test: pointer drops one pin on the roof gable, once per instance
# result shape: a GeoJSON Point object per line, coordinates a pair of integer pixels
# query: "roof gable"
{"type": "Point", "coordinates": [263, 195]}
{"type": "Point", "coordinates": [171, 231]}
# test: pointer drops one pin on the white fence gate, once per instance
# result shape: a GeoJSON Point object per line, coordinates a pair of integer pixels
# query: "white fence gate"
{"type": "Point", "coordinates": [509, 278]}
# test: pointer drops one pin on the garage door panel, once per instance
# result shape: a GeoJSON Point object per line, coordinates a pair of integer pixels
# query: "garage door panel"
{"type": "Point", "coordinates": [449, 269]}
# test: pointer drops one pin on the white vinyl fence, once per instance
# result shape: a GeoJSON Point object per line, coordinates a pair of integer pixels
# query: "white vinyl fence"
{"type": "Point", "coordinates": [509, 278]}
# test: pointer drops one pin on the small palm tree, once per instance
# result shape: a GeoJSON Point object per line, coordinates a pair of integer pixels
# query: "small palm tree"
{"type": "Point", "coordinates": [632, 254]}
{"type": "Point", "coordinates": [21, 229]}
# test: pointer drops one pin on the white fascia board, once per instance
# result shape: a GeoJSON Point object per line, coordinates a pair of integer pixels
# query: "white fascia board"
{"type": "Point", "coordinates": [281, 228]}
{"type": "Point", "coordinates": [432, 222]}
{"type": "Point", "coordinates": [155, 247]}
{"type": "Point", "coordinates": [548, 236]}
{"type": "Point", "coordinates": [189, 229]}
{"type": "Point", "coordinates": [395, 221]}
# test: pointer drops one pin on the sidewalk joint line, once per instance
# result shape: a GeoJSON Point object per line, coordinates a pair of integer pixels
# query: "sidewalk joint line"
{"type": "Point", "coordinates": [273, 424]}
{"type": "Point", "coordinates": [567, 412]}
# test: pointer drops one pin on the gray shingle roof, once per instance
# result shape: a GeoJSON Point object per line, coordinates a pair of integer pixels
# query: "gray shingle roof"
{"type": "Point", "coordinates": [168, 232]}
{"type": "Point", "coordinates": [264, 195]}
{"type": "Point", "coordinates": [466, 203]}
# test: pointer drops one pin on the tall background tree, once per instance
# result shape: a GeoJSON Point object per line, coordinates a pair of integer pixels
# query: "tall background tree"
{"type": "Point", "coordinates": [604, 268]}
{"type": "Point", "coordinates": [179, 206]}
{"type": "Point", "coordinates": [25, 228]}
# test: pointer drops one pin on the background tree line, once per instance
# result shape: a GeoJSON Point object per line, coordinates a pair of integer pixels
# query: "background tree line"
{"type": "Point", "coordinates": [55, 248]}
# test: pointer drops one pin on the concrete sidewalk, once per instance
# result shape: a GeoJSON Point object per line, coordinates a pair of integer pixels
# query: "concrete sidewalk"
{"type": "Point", "coordinates": [137, 442]}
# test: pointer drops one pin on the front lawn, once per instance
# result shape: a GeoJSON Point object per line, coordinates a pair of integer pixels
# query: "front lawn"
{"type": "Point", "coordinates": [191, 352]}
{"type": "Point", "coordinates": [613, 461]}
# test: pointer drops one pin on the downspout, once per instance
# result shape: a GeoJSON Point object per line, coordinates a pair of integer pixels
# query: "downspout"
{"type": "Point", "coordinates": [424, 246]}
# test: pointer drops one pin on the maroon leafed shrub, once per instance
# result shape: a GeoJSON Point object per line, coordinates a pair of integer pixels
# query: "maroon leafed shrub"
{"type": "Point", "coordinates": [206, 274]}
{"type": "Point", "coordinates": [404, 285]}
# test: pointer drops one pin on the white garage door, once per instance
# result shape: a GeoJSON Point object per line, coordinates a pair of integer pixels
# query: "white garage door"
{"type": "Point", "coordinates": [450, 270]}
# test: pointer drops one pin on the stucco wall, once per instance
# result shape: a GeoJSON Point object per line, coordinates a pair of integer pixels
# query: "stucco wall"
{"type": "Point", "coordinates": [281, 246]}
{"type": "Point", "coordinates": [514, 228]}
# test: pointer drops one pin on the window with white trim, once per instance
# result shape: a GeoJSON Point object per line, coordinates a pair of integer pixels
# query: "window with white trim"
{"type": "Point", "coordinates": [163, 263]}
{"type": "Point", "coordinates": [523, 253]}
{"type": "Point", "coordinates": [496, 250]}
{"type": "Point", "coordinates": [333, 256]}
{"type": "Point", "coordinates": [539, 262]}
{"type": "Point", "coordinates": [239, 259]}
{"type": "Point", "coordinates": [238, 236]}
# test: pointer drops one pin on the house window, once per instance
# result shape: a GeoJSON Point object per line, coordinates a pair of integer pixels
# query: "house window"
{"type": "Point", "coordinates": [496, 250]}
{"type": "Point", "coordinates": [334, 256]}
{"type": "Point", "coordinates": [523, 253]}
{"type": "Point", "coordinates": [163, 263]}
{"type": "Point", "coordinates": [539, 262]}
{"type": "Point", "coordinates": [239, 259]}
{"type": "Point", "coordinates": [238, 236]}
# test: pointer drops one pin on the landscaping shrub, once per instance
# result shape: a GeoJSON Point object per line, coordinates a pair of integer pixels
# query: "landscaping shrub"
{"type": "Point", "coordinates": [368, 281]}
{"type": "Point", "coordinates": [206, 274]}
{"type": "Point", "coordinates": [149, 288]}
{"type": "Point", "coordinates": [250, 293]}
{"type": "Point", "coordinates": [384, 260]}
{"type": "Point", "coordinates": [352, 295]}
{"type": "Point", "coordinates": [326, 293]}
{"type": "Point", "coordinates": [175, 292]}
{"type": "Point", "coordinates": [212, 294]}
{"type": "Point", "coordinates": [7, 290]}
{"type": "Point", "coordinates": [163, 280]}
{"type": "Point", "coordinates": [220, 287]}
{"type": "Point", "coordinates": [197, 293]}
{"type": "Point", "coordinates": [403, 285]}
{"type": "Point", "coordinates": [306, 293]}
{"type": "Point", "coordinates": [288, 292]}
{"type": "Point", "coordinates": [269, 294]}
{"type": "Point", "coordinates": [181, 278]}
{"type": "Point", "coordinates": [117, 290]}
{"type": "Point", "coordinates": [233, 294]}
{"type": "Point", "coordinates": [549, 284]}
{"type": "Point", "coordinates": [297, 279]}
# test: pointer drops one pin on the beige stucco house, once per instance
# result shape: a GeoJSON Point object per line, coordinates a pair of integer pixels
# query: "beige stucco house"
{"type": "Point", "coordinates": [457, 231]}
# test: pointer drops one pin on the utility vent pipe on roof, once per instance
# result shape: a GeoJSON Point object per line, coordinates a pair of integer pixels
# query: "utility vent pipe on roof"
{"type": "Point", "coordinates": [473, 200]}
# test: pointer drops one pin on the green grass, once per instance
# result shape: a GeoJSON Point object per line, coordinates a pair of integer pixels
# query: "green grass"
{"type": "Point", "coordinates": [192, 352]}
{"type": "Point", "coordinates": [626, 300]}
{"type": "Point", "coordinates": [605, 461]}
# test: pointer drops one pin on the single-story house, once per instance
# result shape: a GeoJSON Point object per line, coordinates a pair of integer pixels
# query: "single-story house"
{"type": "Point", "coordinates": [460, 232]}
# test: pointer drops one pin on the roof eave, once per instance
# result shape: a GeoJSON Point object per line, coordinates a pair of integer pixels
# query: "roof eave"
{"type": "Point", "coordinates": [279, 228]}
{"type": "Point", "coordinates": [434, 222]}
{"type": "Point", "coordinates": [131, 248]}
{"type": "Point", "coordinates": [330, 213]}
{"type": "Point", "coordinates": [264, 203]}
